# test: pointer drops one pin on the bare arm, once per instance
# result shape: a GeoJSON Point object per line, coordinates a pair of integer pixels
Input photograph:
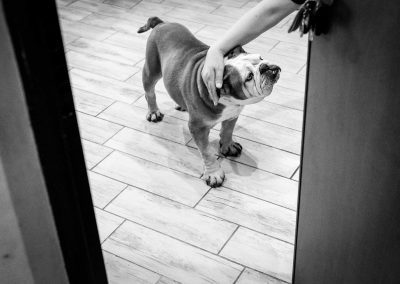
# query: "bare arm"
{"type": "Point", "coordinates": [256, 21]}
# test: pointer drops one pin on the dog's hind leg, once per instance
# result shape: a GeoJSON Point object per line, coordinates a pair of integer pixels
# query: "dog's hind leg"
{"type": "Point", "coordinates": [150, 76]}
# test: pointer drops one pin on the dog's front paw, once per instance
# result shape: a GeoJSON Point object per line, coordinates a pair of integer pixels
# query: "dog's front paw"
{"type": "Point", "coordinates": [154, 116]}
{"type": "Point", "coordinates": [232, 149]}
{"type": "Point", "coordinates": [214, 179]}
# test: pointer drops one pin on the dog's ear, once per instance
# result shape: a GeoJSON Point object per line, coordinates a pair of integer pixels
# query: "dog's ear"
{"type": "Point", "coordinates": [229, 74]}
{"type": "Point", "coordinates": [235, 52]}
{"type": "Point", "coordinates": [232, 83]}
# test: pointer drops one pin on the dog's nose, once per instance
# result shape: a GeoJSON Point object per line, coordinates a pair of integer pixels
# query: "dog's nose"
{"type": "Point", "coordinates": [273, 68]}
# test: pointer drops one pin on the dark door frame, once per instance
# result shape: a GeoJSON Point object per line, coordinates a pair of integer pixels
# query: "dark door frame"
{"type": "Point", "coordinates": [37, 42]}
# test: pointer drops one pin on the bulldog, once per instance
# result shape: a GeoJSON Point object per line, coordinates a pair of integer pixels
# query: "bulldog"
{"type": "Point", "coordinates": [176, 55]}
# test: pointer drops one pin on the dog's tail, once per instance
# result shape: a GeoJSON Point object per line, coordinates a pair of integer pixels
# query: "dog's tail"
{"type": "Point", "coordinates": [151, 23]}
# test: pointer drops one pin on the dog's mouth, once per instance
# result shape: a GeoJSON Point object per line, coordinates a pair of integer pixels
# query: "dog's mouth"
{"type": "Point", "coordinates": [269, 78]}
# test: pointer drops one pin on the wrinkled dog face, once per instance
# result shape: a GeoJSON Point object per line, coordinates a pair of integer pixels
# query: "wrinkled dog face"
{"type": "Point", "coordinates": [247, 79]}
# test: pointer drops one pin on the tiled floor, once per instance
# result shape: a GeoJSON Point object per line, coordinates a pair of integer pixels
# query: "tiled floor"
{"type": "Point", "coordinates": [159, 222]}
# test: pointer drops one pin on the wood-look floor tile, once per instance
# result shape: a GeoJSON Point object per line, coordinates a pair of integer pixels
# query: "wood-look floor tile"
{"type": "Point", "coordinates": [161, 151]}
{"type": "Point", "coordinates": [260, 252]}
{"type": "Point", "coordinates": [98, 65]}
{"type": "Point", "coordinates": [281, 34]}
{"type": "Point", "coordinates": [94, 153]}
{"type": "Point", "coordinates": [286, 97]}
{"type": "Point", "coordinates": [292, 81]}
{"type": "Point", "coordinates": [103, 189]}
{"type": "Point", "coordinates": [152, 177]}
{"type": "Point", "coordinates": [259, 156]}
{"type": "Point", "coordinates": [250, 4]}
{"type": "Point", "coordinates": [294, 50]}
{"type": "Point", "coordinates": [268, 134]}
{"type": "Point", "coordinates": [134, 42]}
{"type": "Point", "coordinates": [121, 25]}
{"type": "Point", "coordinates": [201, 6]}
{"type": "Point", "coordinates": [134, 117]}
{"type": "Point", "coordinates": [165, 104]}
{"type": "Point", "coordinates": [260, 184]}
{"type": "Point", "coordinates": [165, 280]}
{"type": "Point", "coordinates": [170, 257]}
{"type": "Point", "coordinates": [250, 276]}
{"type": "Point", "coordinates": [104, 86]}
{"type": "Point", "coordinates": [72, 14]}
{"type": "Point", "coordinates": [296, 176]}
{"type": "Point", "coordinates": [211, 32]}
{"type": "Point", "coordinates": [287, 64]}
{"type": "Point", "coordinates": [198, 17]}
{"type": "Point", "coordinates": [101, 8]}
{"type": "Point", "coordinates": [136, 80]}
{"type": "Point", "coordinates": [149, 9]}
{"type": "Point", "coordinates": [121, 271]}
{"type": "Point", "coordinates": [229, 3]}
{"type": "Point", "coordinates": [62, 3]}
{"type": "Point", "coordinates": [106, 223]}
{"type": "Point", "coordinates": [303, 71]}
{"type": "Point", "coordinates": [95, 129]}
{"type": "Point", "coordinates": [192, 26]}
{"type": "Point", "coordinates": [84, 30]}
{"type": "Point", "coordinates": [68, 38]}
{"type": "Point", "coordinates": [261, 46]}
{"type": "Point", "coordinates": [171, 218]}
{"type": "Point", "coordinates": [122, 3]}
{"type": "Point", "coordinates": [276, 114]}
{"type": "Point", "coordinates": [250, 212]}
{"type": "Point", "coordinates": [90, 103]}
{"type": "Point", "coordinates": [106, 51]}
{"type": "Point", "coordinates": [231, 12]}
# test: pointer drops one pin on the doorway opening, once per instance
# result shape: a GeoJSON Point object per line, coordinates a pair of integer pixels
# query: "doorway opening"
{"type": "Point", "coordinates": [158, 221]}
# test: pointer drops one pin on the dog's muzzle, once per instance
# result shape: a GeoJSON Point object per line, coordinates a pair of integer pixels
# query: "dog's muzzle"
{"type": "Point", "coordinates": [272, 71]}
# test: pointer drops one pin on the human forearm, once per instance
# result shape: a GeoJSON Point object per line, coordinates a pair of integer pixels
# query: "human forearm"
{"type": "Point", "coordinates": [256, 21]}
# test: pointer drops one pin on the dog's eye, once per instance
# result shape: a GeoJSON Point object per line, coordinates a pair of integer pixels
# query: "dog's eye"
{"type": "Point", "coordinates": [249, 77]}
{"type": "Point", "coordinates": [261, 58]}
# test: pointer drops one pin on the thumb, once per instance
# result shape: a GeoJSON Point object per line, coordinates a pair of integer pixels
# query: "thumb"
{"type": "Point", "coordinates": [218, 78]}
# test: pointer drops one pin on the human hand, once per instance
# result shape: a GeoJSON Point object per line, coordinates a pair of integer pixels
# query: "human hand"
{"type": "Point", "coordinates": [212, 72]}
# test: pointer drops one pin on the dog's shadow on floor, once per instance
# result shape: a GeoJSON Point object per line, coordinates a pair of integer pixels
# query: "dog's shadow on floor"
{"type": "Point", "coordinates": [244, 165]}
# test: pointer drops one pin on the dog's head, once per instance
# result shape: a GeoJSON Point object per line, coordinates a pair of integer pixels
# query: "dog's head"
{"type": "Point", "coordinates": [247, 78]}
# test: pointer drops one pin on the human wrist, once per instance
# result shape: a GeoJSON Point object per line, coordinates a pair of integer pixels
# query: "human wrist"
{"type": "Point", "coordinates": [218, 48]}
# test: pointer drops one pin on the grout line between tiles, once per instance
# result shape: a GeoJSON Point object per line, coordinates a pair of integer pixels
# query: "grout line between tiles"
{"type": "Point", "coordinates": [240, 274]}
{"type": "Point", "coordinates": [229, 188]}
{"type": "Point", "coordinates": [245, 138]}
{"type": "Point", "coordinates": [271, 122]}
{"type": "Point", "coordinates": [181, 241]}
{"type": "Point", "coordinates": [115, 197]}
{"type": "Point", "coordinates": [97, 115]}
{"type": "Point", "coordinates": [95, 165]}
{"type": "Point", "coordinates": [227, 241]}
{"type": "Point", "coordinates": [112, 136]}
{"type": "Point", "coordinates": [123, 221]}
{"type": "Point", "coordinates": [144, 267]}
{"type": "Point", "coordinates": [291, 177]}
{"type": "Point", "coordinates": [194, 206]}
{"type": "Point", "coordinates": [234, 223]}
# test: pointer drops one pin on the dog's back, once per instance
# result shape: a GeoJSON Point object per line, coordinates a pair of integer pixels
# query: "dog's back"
{"type": "Point", "coordinates": [173, 38]}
